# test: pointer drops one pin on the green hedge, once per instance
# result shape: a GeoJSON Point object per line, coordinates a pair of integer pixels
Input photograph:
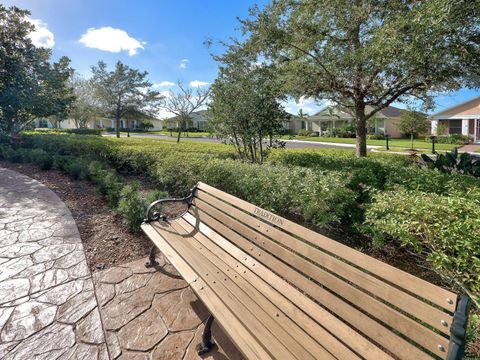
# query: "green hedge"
{"type": "Point", "coordinates": [447, 226]}
{"type": "Point", "coordinates": [83, 131]}
{"type": "Point", "coordinates": [386, 195]}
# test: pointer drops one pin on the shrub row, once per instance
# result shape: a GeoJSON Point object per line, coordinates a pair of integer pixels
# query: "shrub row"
{"type": "Point", "coordinates": [84, 131]}
{"type": "Point", "coordinates": [385, 195]}
{"type": "Point", "coordinates": [125, 199]}
{"type": "Point", "coordinates": [447, 226]}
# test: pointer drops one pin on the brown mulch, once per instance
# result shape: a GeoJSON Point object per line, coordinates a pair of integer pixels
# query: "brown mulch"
{"type": "Point", "coordinates": [106, 240]}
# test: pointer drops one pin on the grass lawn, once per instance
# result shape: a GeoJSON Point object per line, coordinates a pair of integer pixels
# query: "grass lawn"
{"type": "Point", "coordinates": [190, 134]}
{"type": "Point", "coordinates": [396, 143]}
{"type": "Point", "coordinates": [174, 134]}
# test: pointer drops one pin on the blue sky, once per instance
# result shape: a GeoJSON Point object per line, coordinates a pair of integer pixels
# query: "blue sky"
{"type": "Point", "coordinates": [163, 37]}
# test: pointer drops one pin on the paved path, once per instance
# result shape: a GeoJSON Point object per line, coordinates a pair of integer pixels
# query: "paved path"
{"type": "Point", "coordinates": [153, 314]}
{"type": "Point", "coordinates": [48, 308]}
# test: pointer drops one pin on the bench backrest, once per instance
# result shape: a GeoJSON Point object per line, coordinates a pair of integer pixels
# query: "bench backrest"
{"type": "Point", "coordinates": [403, 314]}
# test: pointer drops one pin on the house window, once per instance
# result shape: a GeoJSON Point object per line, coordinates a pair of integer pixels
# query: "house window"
{"type": "Point", "coordinates": [303, 125]}
{"type": "Point", "coordinates": [455, 127]}
{"type": "Point", "coordinates": [379, 126]}
{"type": "Point", "coordinates": [43, 123]}
{"type": "Point", "coordinates": [200, 125]}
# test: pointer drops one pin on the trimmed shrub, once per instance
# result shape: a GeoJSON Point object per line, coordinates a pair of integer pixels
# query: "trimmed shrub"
{"type": "Point", "coordinates": [132, 204]}
{"type": "Point", "coordinates": [446, 227]}
{"type": "Point", "coordinates": [41, 158]}
{"type": "Point", "coordinates": [14, 155]}
{"type": "Point", "coordinates": [376, 137]}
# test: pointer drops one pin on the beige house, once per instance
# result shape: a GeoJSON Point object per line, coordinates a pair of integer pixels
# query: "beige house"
{"type": "Point", "coordinates": [198, 120]}
{"type": "Point", "coordinates": [100, 123]}
{"type": "Point", "coordinates": [385, 121]}
{"type": "Point", "coordinates": [461, 119]}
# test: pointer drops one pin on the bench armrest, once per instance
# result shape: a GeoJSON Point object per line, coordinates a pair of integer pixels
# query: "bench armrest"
{"type": "Point", "coordinates": [458, 329]}
{"type": "Point", "coordinates": [159, 209]}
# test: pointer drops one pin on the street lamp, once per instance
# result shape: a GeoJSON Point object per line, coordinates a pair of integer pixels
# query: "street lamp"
{"type": "Point", "coordinates": [386, 140]}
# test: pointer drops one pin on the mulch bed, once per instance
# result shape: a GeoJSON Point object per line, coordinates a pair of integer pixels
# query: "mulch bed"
{"type": "Point", "coordinates": [106, 240]}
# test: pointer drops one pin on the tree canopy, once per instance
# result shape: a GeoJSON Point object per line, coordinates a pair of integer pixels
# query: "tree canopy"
{"type": "Point", "coordinates": [124, 91]}
{"type": "Point", "coordinates": [30, 85]}
{"type": "Point", "coordinates": [366, 53]}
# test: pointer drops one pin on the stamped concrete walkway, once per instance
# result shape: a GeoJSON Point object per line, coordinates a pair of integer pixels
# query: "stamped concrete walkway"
{"type": "Point", "coordinates": [48, 298]}
{"type": "Point", "coordinates": [48, 308]}
{"type": "Point", "coordinates": [152, 314]}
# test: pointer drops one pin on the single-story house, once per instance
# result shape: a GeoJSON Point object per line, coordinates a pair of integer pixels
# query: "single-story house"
{"type": "Point", "coordinates": [385, 121]}
{"type": "Point", "coordinates": [101, 123]}
{"type": "Point", "coordinates": [461, 119]}
{"type": "Point", "coordinates": [198, 120]}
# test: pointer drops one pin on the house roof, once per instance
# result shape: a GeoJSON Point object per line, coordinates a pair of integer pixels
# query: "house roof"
{"type": "Point", "coordinates": [466, 108]}
{"type": "Point", "coordinates": [196, 115]}
{"type": "Point", "coordinates": [388, 112]}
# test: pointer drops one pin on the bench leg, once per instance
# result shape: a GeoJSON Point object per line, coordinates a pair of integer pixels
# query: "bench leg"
{"type": "Point", "coordinates": [151, 258]}
{"type": "Point", "coordinates": [207, 344]}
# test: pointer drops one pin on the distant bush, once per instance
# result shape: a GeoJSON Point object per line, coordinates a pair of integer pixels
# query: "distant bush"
{"type": "Point", "coordinates": [304, 132]}
{"type": "Point", "coordinates": [376, 137]}
{"type": "Point", "coordinates": [451, 139]}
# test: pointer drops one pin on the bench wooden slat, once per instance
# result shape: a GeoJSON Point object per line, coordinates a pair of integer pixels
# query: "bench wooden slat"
{"type": "Point", "coordinates": [441, 297]}
{"type": "Point", "coordinates": [413, 306]}
{"type": "Point", "coordinates": [284, 294]}
{"type": "Point", "coordinates": [227, 320]}
{"type": "Point", "coordinates": [413, 330]}
{"type": "Point", "coordinates": [373, 329]}
{"type": "Point", "coordinates": [258, 303]}
{"type": "Point", "coordinates": [275, 339]}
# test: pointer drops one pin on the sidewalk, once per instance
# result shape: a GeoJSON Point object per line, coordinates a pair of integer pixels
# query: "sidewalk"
{"type": "Point", "coordinates": [48, 308]}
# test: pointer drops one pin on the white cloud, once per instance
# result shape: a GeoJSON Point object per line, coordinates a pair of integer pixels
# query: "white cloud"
{"type": "Point", "coordinates": [112, 40]}
{"type": "Point", "coordinates": [309, 106]}
{"type": "Point", "coordinates": [196, 83]}
{"type": "Point", "coordinates": [41, 36]}
{"type": "Point", "coordinates": [163, 84]}
{"type": "Point", "coordinates": [183, 63]}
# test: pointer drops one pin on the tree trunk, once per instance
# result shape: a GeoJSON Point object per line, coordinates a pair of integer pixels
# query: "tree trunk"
{"type": "Point", "coordinates": [117, 125]}
{"type": "Point", "coordinates": [179, 133]}
{"type": "Point", "coordinates": [411, 140]}
{"type": "Point", "coordinates": [361, 131]}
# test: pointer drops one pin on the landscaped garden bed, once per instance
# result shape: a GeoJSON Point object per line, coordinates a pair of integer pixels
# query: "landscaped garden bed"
{"type": "Point", "coordinates": [107, 241]}
{"type": "Point", "coordinates": [414, 218]}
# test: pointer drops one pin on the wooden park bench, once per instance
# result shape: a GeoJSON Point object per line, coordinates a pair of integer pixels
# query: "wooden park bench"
{"type": "Point", "coordinates": [282, 291]}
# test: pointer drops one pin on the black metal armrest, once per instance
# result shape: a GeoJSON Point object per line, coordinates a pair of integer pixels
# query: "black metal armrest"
{"type": "Point", "coordinates": [158, 210]}
{"type": "Point", "coordinates": [458, 329]}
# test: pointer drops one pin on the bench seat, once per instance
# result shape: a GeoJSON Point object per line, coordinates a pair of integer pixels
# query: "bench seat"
{"type": "Point", "coordinates": [281, 291]}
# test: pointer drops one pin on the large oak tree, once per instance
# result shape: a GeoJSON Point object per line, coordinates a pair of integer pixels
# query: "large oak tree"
{"type": "Point", "coordinates": [30, 85]}
{"type": "Point", "coordinates": [366, 53]}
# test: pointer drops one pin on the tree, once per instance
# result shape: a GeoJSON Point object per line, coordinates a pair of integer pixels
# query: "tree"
{"type": "Point", "coordinates": [366, 53]}
{"type": "Point", "coordinates": [123, 91]}
{"type": "Point", "coordinates": [30, 85]}
{"type": "Point", "coordinates": [413, 123]}
{"type": "Point", "coordinates": [183, 103]}
{"type": "Point", "coordinates": [86, 106]}
{"type": "Point", "coordinates": [146, 125]}
{"type": "Point", "coordinates": [245, 108]}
